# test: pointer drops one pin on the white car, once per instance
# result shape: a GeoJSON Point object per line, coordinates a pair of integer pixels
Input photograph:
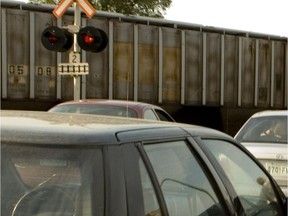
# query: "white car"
{"type": "Point", "coordinates": [265, 136]}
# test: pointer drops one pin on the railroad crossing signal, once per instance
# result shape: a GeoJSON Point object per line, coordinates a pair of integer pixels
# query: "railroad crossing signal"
{"type": "Point", "coordinates": [88, 38]}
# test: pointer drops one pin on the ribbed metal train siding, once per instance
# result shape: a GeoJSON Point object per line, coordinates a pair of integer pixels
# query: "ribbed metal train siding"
{"type": "Point", "coordinates": [149, 63]}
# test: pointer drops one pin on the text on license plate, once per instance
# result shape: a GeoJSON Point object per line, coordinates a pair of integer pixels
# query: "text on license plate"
{"type": "Point", "coordinates": [277, 169]}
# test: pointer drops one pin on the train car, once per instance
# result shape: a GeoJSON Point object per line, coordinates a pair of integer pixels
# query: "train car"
{"type": "Point", "coordinates": [152, 60]}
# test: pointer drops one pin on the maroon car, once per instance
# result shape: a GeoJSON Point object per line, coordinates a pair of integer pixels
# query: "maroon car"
{"type": "Point", "coordinates": [120, 108]}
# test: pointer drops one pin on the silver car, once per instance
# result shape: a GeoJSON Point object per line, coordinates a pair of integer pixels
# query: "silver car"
{"type": "Point", "coordinates": [67, 164]}
{"type": "Point", "coordinates": [265, 136]}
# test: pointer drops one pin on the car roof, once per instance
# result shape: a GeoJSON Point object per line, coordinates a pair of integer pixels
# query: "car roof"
{"type": "Point", "coordinates": [121, 103]}
{"type": "Point", "coordinates": [270, 113]}
{"type": "Point", "coordinates": [71, 128]}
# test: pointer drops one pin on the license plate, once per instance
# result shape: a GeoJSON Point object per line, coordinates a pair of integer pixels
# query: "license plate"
{"type": "Point", "coordinates": [277, 169]}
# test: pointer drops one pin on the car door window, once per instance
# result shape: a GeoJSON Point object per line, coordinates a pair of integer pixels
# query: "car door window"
{"type": "Point", "coordinates": [163, 116]}
{"type": "Point", "coordinates": [151, 204]}
{"type": "Point", "coordinates": [139, 186]}
{"type": "Point", "coordinates": [185, 187]}
{"type": "Point", "coordinates": [252, 185]}
{"type": "Point", "coordinates": [149, 114]}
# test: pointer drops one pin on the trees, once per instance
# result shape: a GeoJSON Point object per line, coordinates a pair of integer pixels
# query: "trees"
{"type": "Point", "coordinates": [151, 8]}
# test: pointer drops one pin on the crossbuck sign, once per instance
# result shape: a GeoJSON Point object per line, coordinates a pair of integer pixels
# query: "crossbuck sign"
{"type": "Point", "coordinates": [86, 7]}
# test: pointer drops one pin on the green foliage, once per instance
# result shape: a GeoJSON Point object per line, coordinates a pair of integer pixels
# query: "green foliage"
{"type": "Point", "coordinates": [150, 8]}
{"type": "Point", "coordinates": [43, 1]}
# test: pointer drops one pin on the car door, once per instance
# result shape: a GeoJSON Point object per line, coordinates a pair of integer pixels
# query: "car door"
{"type": "Point", "coordinates": [167, 178]}
{"type": "Point", "coordinates": [253, 190]}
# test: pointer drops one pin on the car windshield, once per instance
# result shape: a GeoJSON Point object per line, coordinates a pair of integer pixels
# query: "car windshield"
{"type": "Point", "coordinates": [50, 180]}
{"type": "Point", "coordinates": [271, 129]}
{"type": "Point", "coordinates": [96, 110]}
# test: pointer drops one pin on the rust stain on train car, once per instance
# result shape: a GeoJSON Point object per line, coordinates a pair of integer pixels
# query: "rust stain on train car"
{"type": "Point", "coordinates": [171, 74]}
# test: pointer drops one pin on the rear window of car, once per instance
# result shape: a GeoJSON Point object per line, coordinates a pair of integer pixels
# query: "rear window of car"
{"type": "Point", "coordinates": [56, 180]}
{"type": "Point", "coordinates": [96, 110]}
{"type": "Point", "coordinates": [272, 129]}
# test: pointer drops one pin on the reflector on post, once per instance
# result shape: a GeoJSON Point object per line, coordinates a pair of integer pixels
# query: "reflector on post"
{"type": "Point", "coordinates": [92, 39]}
{"type": "Point", "coordinates": [56, 39]}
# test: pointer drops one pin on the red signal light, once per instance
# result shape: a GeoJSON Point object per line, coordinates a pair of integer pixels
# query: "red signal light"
{"type": "Point", "coordinates": [52, 38]}
{"type": "Point", "coordinates": [56, 39]}
{"type": "Point", "coordinates": [92, 39]}
{"type": "Point", "coordinates": [88, 39]}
